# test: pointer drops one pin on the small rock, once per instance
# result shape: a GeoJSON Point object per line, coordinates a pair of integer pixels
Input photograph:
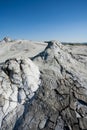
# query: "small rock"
{"type": "Point", "coordinates": [42, 123]}
{"type": "Point", "coordinates": [7, 39]}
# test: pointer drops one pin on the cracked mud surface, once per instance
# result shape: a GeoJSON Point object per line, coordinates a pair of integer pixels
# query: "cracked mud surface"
{"type": "Point", "coordinates": [46, 92]}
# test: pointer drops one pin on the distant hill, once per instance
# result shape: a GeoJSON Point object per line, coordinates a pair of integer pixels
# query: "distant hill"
{"type": "Point", "coordinates": [70, 43]}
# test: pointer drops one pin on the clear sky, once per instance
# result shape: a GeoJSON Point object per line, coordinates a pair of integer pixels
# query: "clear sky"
{"type": "Point", "coordinates": [63, 20]}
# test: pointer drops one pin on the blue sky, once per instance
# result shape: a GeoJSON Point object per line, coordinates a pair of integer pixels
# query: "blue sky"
{"type": "Point", "coordinates": [63, 20]}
